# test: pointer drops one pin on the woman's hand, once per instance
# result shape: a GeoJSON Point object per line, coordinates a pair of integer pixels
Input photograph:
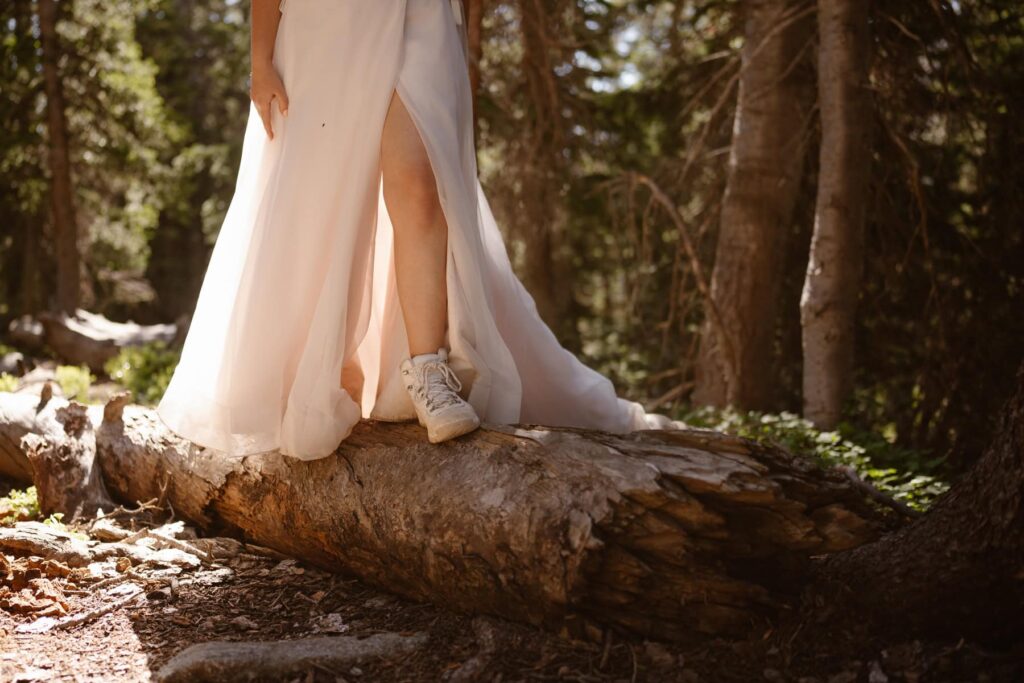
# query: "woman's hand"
{"type": "Point", "coordinates": [265, 89]}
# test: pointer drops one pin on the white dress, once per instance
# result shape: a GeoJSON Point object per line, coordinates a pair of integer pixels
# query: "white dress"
{"type": "Point", "coordinates": [297, 331]}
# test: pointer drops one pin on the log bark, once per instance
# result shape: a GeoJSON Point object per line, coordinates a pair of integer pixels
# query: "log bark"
{"type": "Point", "coordinates": [63, 466]}
{"type": "Point", "coordinates": [836, 262]}
{"type": "Point", "coordinates": [22, 414]}
{"type": "Point", "coordinates": [52, 442]}
{"type": "Point", "coordinates": [668, 534]}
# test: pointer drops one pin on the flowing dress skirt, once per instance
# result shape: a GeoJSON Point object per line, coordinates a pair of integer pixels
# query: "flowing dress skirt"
{"type": "Point", "coordinates": [297, 331]}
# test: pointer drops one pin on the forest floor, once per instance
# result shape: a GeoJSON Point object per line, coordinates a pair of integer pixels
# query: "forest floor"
{"type": "Point", "coordinates": [257, 595]}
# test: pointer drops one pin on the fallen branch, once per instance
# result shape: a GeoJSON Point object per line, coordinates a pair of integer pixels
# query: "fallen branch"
{"type": "Point", "coordinates": [53, 543]}
{"type": "Point", "coordinates": [46, 624]}
{"type": "Point", "coordinates": [223, 662]}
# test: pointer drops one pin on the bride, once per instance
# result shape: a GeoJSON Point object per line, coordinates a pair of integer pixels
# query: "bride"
{"type": "Point", "coordinates": [359, 271]}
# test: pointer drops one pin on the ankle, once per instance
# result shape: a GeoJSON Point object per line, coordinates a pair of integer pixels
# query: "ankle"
{"type": "Point", "coordinates": [440, 353]}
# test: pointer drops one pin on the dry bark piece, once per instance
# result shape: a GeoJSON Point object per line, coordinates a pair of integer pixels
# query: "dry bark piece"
{"type": "Point", "coordinates": [53, 543]}
{"type": "Point", "coordinates": [232, 661]}
{"type": "Point", "coordinates": [47, 541]}
{"type": "Point", "coordinates": [47, 623]}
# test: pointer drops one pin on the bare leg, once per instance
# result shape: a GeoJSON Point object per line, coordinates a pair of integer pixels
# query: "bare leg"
{"type": "Point", "coordinates": [421, 233]}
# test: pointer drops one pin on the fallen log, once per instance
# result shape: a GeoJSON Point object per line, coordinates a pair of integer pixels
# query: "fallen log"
{"type": "Point", "coordinates": [22, 414]}
{"type": "Point", "coordinates": [52, 442]}
{"type": "Point", "coordinates": [91, 339]}
{"type": "Point", "coordinates": [674, 534]}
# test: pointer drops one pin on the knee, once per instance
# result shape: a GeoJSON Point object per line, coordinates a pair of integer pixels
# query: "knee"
{"type": "Point", "coordinates": [410, 187]}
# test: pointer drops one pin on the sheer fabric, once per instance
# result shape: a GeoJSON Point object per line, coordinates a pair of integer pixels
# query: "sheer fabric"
{"type": "Point", "coordinates": [297, 331]}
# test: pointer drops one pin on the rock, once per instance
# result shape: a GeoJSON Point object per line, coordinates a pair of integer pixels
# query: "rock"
{"type": "Point", "coordinates": [659, 655]}
{"type": "Point", "coordinates": [843, 677]}
{"type": "Point", "coordinates": [330, 623]}
{"type": "Point", "coordinates": [875, 673]}
{"type": "Point", "coordinates": [12, 363]}
{"type": "Point", "coordinates": [244, 623]}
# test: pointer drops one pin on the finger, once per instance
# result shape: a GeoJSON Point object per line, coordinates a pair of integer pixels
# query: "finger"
{"type": "Point", "coordinates": [265, 117]}
{"type": "Point", "coordinates": [269, 108]}
{"type": "Point", "coordinates": [282, 102]}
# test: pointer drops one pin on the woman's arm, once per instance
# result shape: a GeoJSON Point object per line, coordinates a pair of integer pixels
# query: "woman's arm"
{"type": "Point", "coordinates": [266, 83]}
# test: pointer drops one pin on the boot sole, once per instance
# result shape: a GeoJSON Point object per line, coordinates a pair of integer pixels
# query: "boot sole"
{"type": "Point", "coordinates": [395, 420]}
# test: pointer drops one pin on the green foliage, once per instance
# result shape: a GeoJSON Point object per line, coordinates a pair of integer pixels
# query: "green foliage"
{"type": "Point", "coordinates": [197, 49]}
{"type": "Point", "coordinates": [56, 520]}
{"type": "Point", "coordinates": [119, 141]}
{"type": "Point", "coordinates": [117, 128]}
{"type": "Point", "coordinates": [904, 474]}
{"type": "Point", "coordinates": [19, 504]}
{"type": "Point", "coordinates": [74, 381]}
{"type": "Point", "coordinates": [145, 370]}
{"type": "Point", "coordinates": [23, 504]}
{"type": "Point", "coordinates": [8, 382]}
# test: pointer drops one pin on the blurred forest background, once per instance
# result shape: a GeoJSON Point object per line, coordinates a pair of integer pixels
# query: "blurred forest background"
{"type": "Point", "coordinates": [664, 172]}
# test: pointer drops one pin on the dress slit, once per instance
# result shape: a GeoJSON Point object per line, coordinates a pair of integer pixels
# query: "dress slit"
{"type": "Point", "coordinates": [298, 331]}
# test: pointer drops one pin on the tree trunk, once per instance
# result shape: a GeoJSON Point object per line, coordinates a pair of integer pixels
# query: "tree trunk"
{"type": "Point", "coordinates": [957, 571]}
{"type": "Point", "coordinates": [836, 263]}
{"type": "Point", "coordinates": [669, 534]}
{"type": "Point", "coordinates": [61, 190]}
{"type": "Point", "coordinates": [765, 167]}
{"type": "Point", "coordinates": [543, 170]}
{"type": "Point", "coordinates": [474, 33]}
{"type": "Point", "coordinates": [21, 266]}
{"type": "Point", "coordinates": [30, 297]}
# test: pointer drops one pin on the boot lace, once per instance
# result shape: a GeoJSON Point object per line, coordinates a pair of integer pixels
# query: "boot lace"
{"type": "Point", "coordinates": [439, 389]}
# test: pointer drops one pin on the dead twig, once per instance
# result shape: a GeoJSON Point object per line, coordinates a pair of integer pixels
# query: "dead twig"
{"type": "Point", "coordinates": [45, 624]}
{"type": "Point", "coordinates": [714, 314]}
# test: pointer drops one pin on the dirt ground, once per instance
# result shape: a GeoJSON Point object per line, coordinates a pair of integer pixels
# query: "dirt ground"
{"type": "Point", "coordinates": [165, 605]}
